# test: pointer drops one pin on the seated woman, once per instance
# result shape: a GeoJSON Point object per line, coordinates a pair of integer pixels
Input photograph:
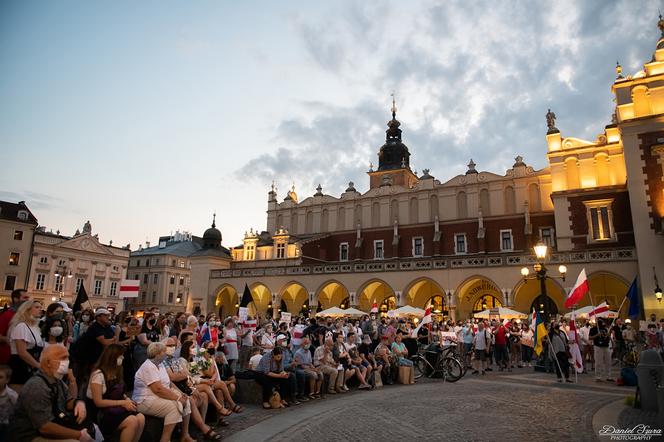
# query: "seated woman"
{"type": "Point", "coordinates": [385, 360]}
{"type": "Point", "coordinates": [213, 379]}
{"type": "Point", "coordinates": [155, 395]}
{"type": "Point", "coordinates": [400, 350]}
{"type": "Point", "coordinates": [106, 391]}
{"type": "Point", "coordinates": [342, 358]}
{"type": "Point", "coordinates": [362, 372]}
{"type": "Point", "coordinates": [226, 372]}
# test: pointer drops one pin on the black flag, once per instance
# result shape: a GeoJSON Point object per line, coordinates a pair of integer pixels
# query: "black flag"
{"type": "Point", "coordinates": [81, 297]}
{"type": "Point", "coordinates": [246, 297]}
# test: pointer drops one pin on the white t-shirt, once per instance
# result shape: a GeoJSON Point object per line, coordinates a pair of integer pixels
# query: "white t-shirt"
{"type": "Point", "coordinates": [248, 340]}
{"type": "Point", "coordinates": [97, 377]}
{"type": "Point", "coordinates": [148, 374]}
{"type": "Point", "coordinates": [254, 361]}
{"type": "Point", "coordinates": [481, 339]}
{"type": "Point", "coordinates": [267, 340]}
{"type": "Point", "coordinates": [22, 332]}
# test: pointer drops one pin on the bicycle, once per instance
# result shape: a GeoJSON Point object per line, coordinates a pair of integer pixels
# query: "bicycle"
{"type": "Point", "coordinates": [447, 367]}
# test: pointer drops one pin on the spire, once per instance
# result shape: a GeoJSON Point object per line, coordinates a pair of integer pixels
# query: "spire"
{"type": "Point", "coordinates": [394, 103]}
{"type": "Point", "coordinates": [618, 71]}
{"type": "Point", "coordinates": [660, 25]}
{"type": "Point", "coordinates": [214, 219]}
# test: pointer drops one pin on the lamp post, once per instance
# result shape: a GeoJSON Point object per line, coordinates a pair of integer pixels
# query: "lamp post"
{"type": "Point", "coordinates": [541, 271]}
{"type": "Point", "coordinates": [658, 290]}
{"type": "Point", "coordinates": [61, 275]}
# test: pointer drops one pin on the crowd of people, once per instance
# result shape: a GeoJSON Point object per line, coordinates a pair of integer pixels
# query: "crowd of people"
{"type": "Point", "coordinates": [68, 375]}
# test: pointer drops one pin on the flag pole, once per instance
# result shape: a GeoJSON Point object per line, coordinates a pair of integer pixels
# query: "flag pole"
{"type": "Point", "coordinates": [555, 358]}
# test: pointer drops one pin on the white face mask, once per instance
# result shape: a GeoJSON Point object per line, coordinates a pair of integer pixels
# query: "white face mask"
{"type": "Point", "coordinates": [218, 323]}
{"type": "Point", "coordinates": [170, 351]}
{"type": "Point", "coordinates": [119, 360]}
{"type": "Point", "coordinates": [56, 331]}
{"type": "Point", "coordinates": [284, 344]}
{"type": "Point", "coordinates": [62, 369]}
{"type": "Point", "coordinates": [85, 318]}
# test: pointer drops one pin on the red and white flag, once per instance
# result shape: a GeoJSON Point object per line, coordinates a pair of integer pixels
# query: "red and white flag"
{"type": "Point", "coordinates": [603, 307]}
{"type": "Point", "coordinates": [575, 360]}
{"type": "Point", "coordinates": [578, 291]}
{"type": "Point", "coordinates": [129, 288]}
{"type": "Point", "coordinates": [425, 320]}
{"type": "Point", "coordinates": [374, 307]}
{"type": "Point", "coordinates": [533, 320]}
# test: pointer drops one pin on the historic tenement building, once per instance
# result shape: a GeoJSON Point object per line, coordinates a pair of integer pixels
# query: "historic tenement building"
{"type": "Point", "coordinates": [17, 227]}
{"type": "Point", "coordinates": [60, 264]}
{"type": "Point", "coordinates": [460, 243]}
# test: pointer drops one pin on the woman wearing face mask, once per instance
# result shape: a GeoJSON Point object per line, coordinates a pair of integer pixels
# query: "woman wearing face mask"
{"type": "Point", "coordinates": [26, 343]}
{"type": "Point", "coordinates": [212, 377]}
{"type": "Point", "coordinates": [149, 333]}
{"type": "Point", "coordinates": [106, 394]}
{"type": "Point", "coordinates": [163, 328]}
{"type": "Point", "coordinates": [231, 350]}
{"type": "Point", "coordinates": [82, 325]}
{"type": "Point", "coordinates": [52, 332]}
{"type": "Point", "coordinates": [212, 330]}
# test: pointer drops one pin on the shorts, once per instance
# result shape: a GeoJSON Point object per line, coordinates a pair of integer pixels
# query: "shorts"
{"type": "Point", "coordinates": [480, 355]}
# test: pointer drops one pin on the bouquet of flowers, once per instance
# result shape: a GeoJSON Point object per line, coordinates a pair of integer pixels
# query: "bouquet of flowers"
{"type": "Point", "coordinates": [200, 362]}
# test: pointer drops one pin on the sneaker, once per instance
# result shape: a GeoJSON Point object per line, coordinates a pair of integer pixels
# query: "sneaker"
{"type": "Point", "coordinates": [344, 388]}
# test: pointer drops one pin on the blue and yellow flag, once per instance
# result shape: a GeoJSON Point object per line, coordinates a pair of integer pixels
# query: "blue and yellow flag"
{"type": "Point", "coordinates": [540, 333]}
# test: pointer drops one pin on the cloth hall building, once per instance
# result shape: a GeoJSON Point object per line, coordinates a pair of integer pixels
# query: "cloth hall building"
{"type": "Point", "coordinates": [460, 243]}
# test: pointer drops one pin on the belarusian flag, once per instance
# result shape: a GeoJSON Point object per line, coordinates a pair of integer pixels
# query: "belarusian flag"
{"type": "Point", "coordinates": [129, 288]}
{"type": "Point", "coordinates": [374, 307]}
{"type": "Point", "coordinates": [425, 320]}
{"type": "Point", "coordinates": [533, 320]}
{"type": "Point", "coordinates": [576, 360]}
{"type": "Point", "coordinates": [603, 307]}
{"type": "Point", "coordinates": [540, 333]}
{"type": "Point", "coordinates": [578, 291]}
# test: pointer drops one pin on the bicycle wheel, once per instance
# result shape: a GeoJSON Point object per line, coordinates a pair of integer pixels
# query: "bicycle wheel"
{"type": "Point", "coordinates": [452, 369]}
{"type": "Point", "coordinates": [420, 366]}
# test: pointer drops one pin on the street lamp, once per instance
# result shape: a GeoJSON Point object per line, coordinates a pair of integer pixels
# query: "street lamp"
{"type": "Point", "coordinates": [540, 269]}
{"type": "Point", "coordinates": [658, 290]}
{"type": "Point", "coordinates": [61, 274]}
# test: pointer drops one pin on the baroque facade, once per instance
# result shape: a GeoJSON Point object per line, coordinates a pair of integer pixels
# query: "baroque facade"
{"type": "Point", "coordinates": [460, 244]}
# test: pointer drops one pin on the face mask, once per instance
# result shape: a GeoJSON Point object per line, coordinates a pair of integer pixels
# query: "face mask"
{"type": "Point", "coordinates": [56, 331]}
{"type": "Point", "coordinates": [85, 318]}
{"type": "Point", "coordinates": [211, 351]}
{"type": "Point", "coordinates": [306, 346]}
{"type": "Point", "coordinates": [218, 323]}
{"type": "Point", "coordinates": [62, 369]}
{"type": "Point", "coordinates": [284, 344]}
{"type": "Point", "coordinates": [119, 360]}
{"type": "Point", "coordinates": [170, 351]}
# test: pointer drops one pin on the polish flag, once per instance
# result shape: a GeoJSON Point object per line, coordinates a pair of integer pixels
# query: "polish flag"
{"type": "Point", "coordinates": [374, 307]}
{"type": "Point", "coordinates": [603, 307]}
{"type": "Point", "coordinates": [578, 291]}
{"type": "Point", "coordinates": [129, 288]}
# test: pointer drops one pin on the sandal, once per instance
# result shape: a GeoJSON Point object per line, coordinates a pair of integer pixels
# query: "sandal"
{"type": "Point", "coordinates": [222, 423]}
{"type": "Point", "coordinates": [211, 435]}
{"type": "Point", "coordinates": [224, 414]}
{"type": "Point", "coordinates": [237, 409]}
{"type": "Point", "coordinates": [267, 406]}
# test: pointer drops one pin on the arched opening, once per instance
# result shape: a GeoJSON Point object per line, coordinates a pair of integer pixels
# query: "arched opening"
{"type": "Point", "coordinates": [419, 292]}
{"type": "Point", "coordinates": [413, 209]}
{"type": "Point", "coordinates": [545, 306]}
{"type": "Point", "coordinates": [389, 303]}
{"type": "Point", "coordinates": [341, 218]}
{"type": "Point", "coordinates": [641, 100]}
{"type": "Point", "coordinates": [226, 301]}
{"type": "Point", "coordinates": [602, 169]}
{"type": "Point", "coordinates": [324, 221]}
{"type": "Point", "coordinates": [262, 298]}
{"type": "Point", "coordinates": [394, 211]}
{"type": "Point", "coordinates": [331, 294]}
{"type": "Point", "coordinates": [607, 287]}
{"type": "Point", "coordinates": [294, 221]}
{"type": "Point", "coordinates": [486, 302]}
{"type": "Point", "coordinates": [309, 222]}
{"type": "Point", "coordinates": [357, 215]}
{"type": "Point", "coordinates": [572, 172]}
{"type": "Point", "coordinates": [293, 297]}
{"type": "Point", "coordinates": [375, 214]}
{"type": "Point", "coordinates": [433, 207]}
{"type": "Point", "coordinates": [375, 290]}
{"type": "Point", "coordinates": [471, 294]}
{"type": "Point", "coordinates": [462, 205]}
{"type": "Point", "coordinates": [525, 296]}
{"type": "Point", "coordinates": [280, 220]}
{"type": "Point", "coordinates": [438, 308]}
{"type": "Point", "coordinates": [534, 199]}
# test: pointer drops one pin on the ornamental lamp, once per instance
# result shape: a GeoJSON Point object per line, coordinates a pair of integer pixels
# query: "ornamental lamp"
{"type": "Point", "coordinates": [658, 293]}
{"type": "Point", "coordinates": [540, 250]}
{"type": "Point", "coordinates": [525, 271]}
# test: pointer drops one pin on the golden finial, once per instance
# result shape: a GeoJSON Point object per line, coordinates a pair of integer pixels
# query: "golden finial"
{"type": "Point", "coordinates": [618, 70]}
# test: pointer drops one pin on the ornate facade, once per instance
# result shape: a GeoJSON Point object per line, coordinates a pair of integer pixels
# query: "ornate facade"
{"type": "Point", "coordinates": [460, 243]}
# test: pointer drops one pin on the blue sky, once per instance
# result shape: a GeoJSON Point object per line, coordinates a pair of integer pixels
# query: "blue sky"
{"type": "Point", "coordinates": [145, 117]}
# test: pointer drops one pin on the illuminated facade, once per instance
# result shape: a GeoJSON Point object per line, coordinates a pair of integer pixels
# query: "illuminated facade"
{"type": "Point", "coordinates": [459, 244]}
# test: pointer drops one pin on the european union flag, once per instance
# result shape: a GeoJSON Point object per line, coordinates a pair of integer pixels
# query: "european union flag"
{"type": "Point", "coordinates": [634, 301]}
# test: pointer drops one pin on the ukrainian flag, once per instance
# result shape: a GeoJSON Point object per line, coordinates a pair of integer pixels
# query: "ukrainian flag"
{"type": "Point", "coordinates": [540, 333]}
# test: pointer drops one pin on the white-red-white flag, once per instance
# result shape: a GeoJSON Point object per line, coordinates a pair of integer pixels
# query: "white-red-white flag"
{"type": "Point", "coordinates": [597, 311]}
{"type": "Point", "coordinates": [578, 291]}
{"type": "Point", "coordinates": [533, 320]}
{"type": "Point", "coordinates": [575, 360]}
{"type": "Point", "coordinates": [129, 288]}
{"type": "Point", "coordinates": [374, 307]}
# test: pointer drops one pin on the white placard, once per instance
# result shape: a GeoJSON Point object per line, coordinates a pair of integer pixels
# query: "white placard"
{"type": "Point", "coordinates": [243, 313]}
{"type": "Point", "coordinates": [285, 317]}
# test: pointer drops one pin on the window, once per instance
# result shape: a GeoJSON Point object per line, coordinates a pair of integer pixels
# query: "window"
{"type": "Point", "coordinates": [98, 286]}
{"type": "Point", "coordinates": [155, 278]}
{"type": "Point", "coordinates": [153, 299]}
{"type": "Point", "coordinates": [22, 215]}
{"type": "Point", "coordinates": [547, 237]}
{"type": "Point", "coordinates": [79, 283]}
{"type": "Point", "coordinates": [172, 279]}
{"type": "Point", "coordinates": [378, 249]}
{"type": "Point", "coordinates": [145, 278]}
{"type": "Point", "coordinates": [600, 220]}
{"type": "Point", "coordinates": [43, 260]}
{"type": "Point", "coordinates": [116, 268]}
{"type": "Point", "coordinates": [181, 280]}
{"type": "Point", "coordinates": [460, 243]}
{"type": "Point", "coordinates": [506, 241]}
{"type": "Point", "coordinates": [13, 258]}
{"type": "Point", "coordinates": [114, 288]}
{"type": "Point", "coordinates": [418, 246]}
{"type": "Point", "coordinates": [343, 251]}
{"type": "Point", "coordinates": [179, 298]}
{"type": "Point", "coordinates": [18, 235]}
{"type": "Point", "coordinates": [41, 280]}
{"type": "Point", "coordinates": [281, 250]}
{"type": "Point", "coordinates": [181, 264]}
{"type": "Point", "coordinates": [10, 282]}
{"type": "Point", "coordinates": [138, 263]}
{"type": "Point", "coordinates": [62, 263]}
{"type": "Point", "coordinates": [250, 252]}
{"type": "Point", "coordinates": [170, 297]}
{"type": "Point", "coordinates": [173, 263]}
{"type": "Point", "coordinates": [58, 283]}
{"type": "Point", "coordinates": [143, 295]}
{"type": "Point", "coordinates": [156, 261]}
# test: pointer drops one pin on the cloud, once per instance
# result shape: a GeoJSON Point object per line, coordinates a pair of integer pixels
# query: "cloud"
{"type": "Point", "coordinates": [473, 79]}
{"type": "Point", "coordinates": [34, 200]}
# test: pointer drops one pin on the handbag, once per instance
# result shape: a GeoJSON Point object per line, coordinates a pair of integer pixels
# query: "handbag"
{"type": "Point", "coordinates": [184, 386]}
{"type": "Point", "coordinates": [64, 417]}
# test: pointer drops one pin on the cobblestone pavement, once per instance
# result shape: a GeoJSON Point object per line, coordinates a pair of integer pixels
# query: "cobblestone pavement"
{"type": "Point", "coordinates": [520, 406]}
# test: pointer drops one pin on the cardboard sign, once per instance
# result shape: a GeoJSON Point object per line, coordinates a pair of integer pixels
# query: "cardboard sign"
{"type": "Point", "coordinates": [285, 317]}
{"type": "Point", "coordinates": [250, 324]}
{"type": "Point", "coordinates": [243, 313]}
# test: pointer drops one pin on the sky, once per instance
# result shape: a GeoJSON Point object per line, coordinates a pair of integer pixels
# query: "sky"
{"type": "Point", "coordinates": [147, 117]}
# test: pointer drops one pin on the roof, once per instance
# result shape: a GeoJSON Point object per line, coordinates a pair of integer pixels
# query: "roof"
{"type": "Point", "coordinates": [221, 252]}
{"type": "Point", "coordinates": [179, 248]}
{"type": "Point", "coordinates": [9, 211]}
{"type": "Point", "coordinates": [265, 239]}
